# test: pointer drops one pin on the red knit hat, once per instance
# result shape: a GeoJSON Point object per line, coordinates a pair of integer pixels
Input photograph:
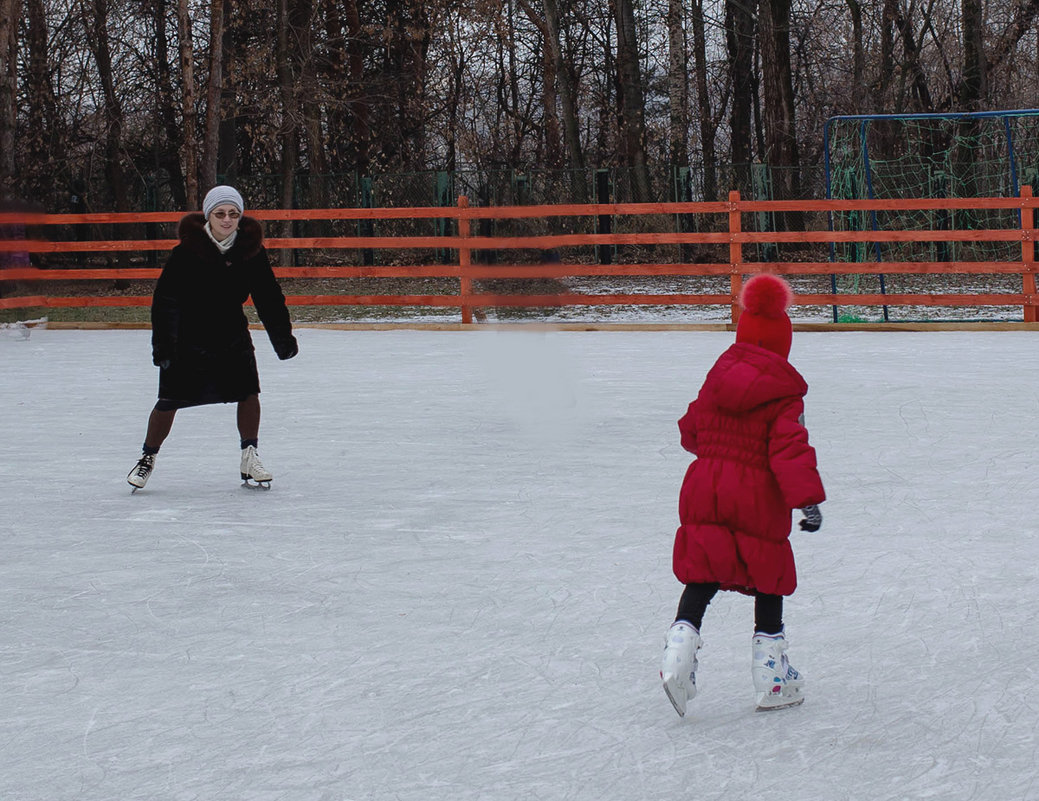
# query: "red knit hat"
{"type": "Point", "coordinates": [764, 322]}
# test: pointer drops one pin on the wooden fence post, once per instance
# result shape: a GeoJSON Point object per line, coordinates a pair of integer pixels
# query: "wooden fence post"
{"type": "Point", "coordinates": [1028, 256]}
{"type": "Point", "coordinates": [465, 283]}
{"type": "Point", "coordinates": [735, 254]}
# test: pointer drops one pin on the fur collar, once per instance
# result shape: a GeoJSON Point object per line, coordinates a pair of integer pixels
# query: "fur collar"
{"type": "Point", "coordinates": [192, 234]}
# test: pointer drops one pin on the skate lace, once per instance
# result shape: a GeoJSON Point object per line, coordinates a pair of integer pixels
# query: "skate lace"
{"type": "Point", "coordinates": [144, 466]}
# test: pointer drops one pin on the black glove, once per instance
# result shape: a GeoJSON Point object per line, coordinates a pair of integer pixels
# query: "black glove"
{"type": "Point", "coordinates": [287, 348]}
{"type": "Point", "coordinates": [162, 362]}
{"type": "Point", "coordinates": [813, 518]}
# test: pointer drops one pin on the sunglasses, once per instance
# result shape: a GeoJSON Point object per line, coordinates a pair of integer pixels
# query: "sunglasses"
{"type": "Point", "coordinates": [220, 215]}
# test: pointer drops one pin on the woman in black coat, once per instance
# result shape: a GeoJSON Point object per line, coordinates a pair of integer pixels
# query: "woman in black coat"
{"type": "Point", "coordinates": [200, 334]}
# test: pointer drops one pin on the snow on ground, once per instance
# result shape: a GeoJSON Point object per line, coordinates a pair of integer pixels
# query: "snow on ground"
{"type": "Point", "coordinates": [459, 585]}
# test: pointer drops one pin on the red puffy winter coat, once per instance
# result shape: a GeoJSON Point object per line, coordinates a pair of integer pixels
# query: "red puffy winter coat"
{"type": "Point", "coordinates": [753, 467]}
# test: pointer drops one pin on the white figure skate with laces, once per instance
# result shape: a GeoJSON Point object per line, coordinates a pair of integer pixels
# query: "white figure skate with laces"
{"type": "Point", "coordinates": [141, 472]}
{"type": "Point", "coordinates": [254, 474]}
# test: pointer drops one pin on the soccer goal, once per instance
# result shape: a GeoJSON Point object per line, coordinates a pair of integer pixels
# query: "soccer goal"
{"type": "Point", "coordinates": [875, 156]}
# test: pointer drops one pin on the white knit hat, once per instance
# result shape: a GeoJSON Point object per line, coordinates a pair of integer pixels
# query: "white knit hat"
{"type": "Point", "coordinates": [218, 196]}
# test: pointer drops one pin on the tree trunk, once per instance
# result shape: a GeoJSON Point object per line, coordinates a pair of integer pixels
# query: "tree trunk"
{"type": "Point", "coordinates": [886, 67]}
{"type": "Point", "coordinates": [46, 139]}
{"type": "Point", "coordinates": [113, 112]}
{"type": "Point", "coordinates": [357, 95]}
{"type": "Point", "coordinates": [553, 139]}
{"type": "Point", "coordinates": [973, 89]}
{"type": "Point", "coordinates": [708, 128]}
{"type": "Point", "coordinates": [677, 85]}
{"type": "Point", "coordinates": [10, 11]}
{"type": "Point", "coordinates": [312, 110]}
{"type": "Point", "coordinates": [739, 40]}
{"type": "Point", "coordinates": [227, 145]}
{"type": "Point", "coordinates": [911, 53]}
{"type": "Point", "coordinates": [166, 112]}
{"type": "Point", "coordinates": [859, 97]}
{"type": "Point", "coordinates": [405, 41]}
{"type": "Point", "coordinates": [781, 152]}
{"type": "Point", "coordinates": [187, 73]}
{"type": "Point", "coordinates": [214, 93]}
{"type": "Point", "coordinates": [349, 128]}
{"type": "Point", "coordinates": [1025, 13]}
{"type": "Point", "coordinates": [972, 92]}
{"type": "Point", "coordinates": [567, 103]}
{"type": "Point", "coordinates": [289, 110]}
{"type": "Point", "coordinates": [632, 105]}
{"type": "Point", "coordinates": [553, 92]}
{"type": "Point", "coordinates": [513, 102]}
{"type": "Point", "coordinates": [412, 40]}
{"type": "Point", "coordinates": [452, 103]}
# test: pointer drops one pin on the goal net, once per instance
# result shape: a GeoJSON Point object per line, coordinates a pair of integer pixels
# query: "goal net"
{"type": "Point", "coordinates": [984, 154]}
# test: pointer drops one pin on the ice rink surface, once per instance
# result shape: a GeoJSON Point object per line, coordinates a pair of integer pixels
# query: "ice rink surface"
{"type": "Point", "coordinates": [459, 585]}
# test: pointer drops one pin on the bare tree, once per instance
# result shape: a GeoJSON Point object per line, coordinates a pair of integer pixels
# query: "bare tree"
{"type": "Point", "coordinates": [781, 151]}
{"type": "Point", "coordinates": [44, 136]}
{"type": "Point", "coordinates": [382, 86]}
{"type": "Point", "coordinates": [708, 124]}
{"type": "Point", "coordinates": [227, 144]}
{"type": "Point", "coordinates": [632, 103]}
{"type": "Point", "coordinates": [885, 70]}
{"type": "Point", "coordinates": [559, 76]}
{"type": "Point", "coordinates": [677, 84]}
{"type": "Point", "coordinates": [214, 93]}
{"type": "Point", "coordinates": [553, 156]}
{"type": "Point", "coordinates": [288, 133]}
{"type": "Point", "coordinates": [920, 90]}
{"type": "Point", "coordinates": [349, 113]}
{"type": "Point", "coordinates": [406, 35]}
{"type": "Point", "coordinates": [97, 35]}
{"type": "Point", "coordinates": [10, 11]}
{"type": "Point", "coordinates": [456, 65]}
{"type": "Point", "coordinates": [973, 89]}
{"type": "Point", "coordinates": [187, 75]}
{"type": "Point", "coordinates": [739, 40]}
{"type": "Point", "coordinates": [359, 104]}
{"type": "Point", "coordinates": [168, 148]}
{"type": "Point", "coordinates": [510, 100]}
{"type": "Point", "coordinates": [858, 57]}
{"type": "Point", "coordinates": [1023, 19]}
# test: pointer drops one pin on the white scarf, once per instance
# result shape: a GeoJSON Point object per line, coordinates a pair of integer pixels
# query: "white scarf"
{"type": "Point", "coordinates": [224, 246]}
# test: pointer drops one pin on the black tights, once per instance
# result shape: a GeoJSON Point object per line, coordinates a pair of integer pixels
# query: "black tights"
{"type": "Point", "coordinates": [768, 609]}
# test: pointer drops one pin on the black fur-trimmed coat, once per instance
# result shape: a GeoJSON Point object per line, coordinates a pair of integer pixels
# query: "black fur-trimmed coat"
{"type": "Point", "coordinates": [200, 334]}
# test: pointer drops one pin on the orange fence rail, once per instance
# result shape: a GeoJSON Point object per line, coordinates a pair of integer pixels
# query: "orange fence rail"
{"type": "Point", "coordinates": [463, 244]}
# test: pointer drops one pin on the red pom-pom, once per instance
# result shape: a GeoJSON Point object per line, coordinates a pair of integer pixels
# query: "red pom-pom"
{"type": "Point", "coordinates": [766, 295]}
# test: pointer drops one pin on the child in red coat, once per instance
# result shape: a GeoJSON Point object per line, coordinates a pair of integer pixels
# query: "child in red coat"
{"type": "Point", "coordinates": [753, 467]}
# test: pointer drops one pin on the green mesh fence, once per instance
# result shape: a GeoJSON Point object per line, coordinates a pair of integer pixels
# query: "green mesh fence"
{"type": "Point", "coordinates": [988, 154]}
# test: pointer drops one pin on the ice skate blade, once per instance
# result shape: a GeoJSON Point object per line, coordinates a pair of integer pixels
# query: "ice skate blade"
{"type": "Point", "coordinates": [769, 704]}
{"type": "Point", "coordinates": [252, 483]}
{"type": "Point", "coordinates": [675, 695]}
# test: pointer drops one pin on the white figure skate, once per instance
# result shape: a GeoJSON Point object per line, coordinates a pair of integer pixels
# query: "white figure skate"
{"type": "Point", "coordinates": [254, 474]}
{"type": "Point", "coordinates": [141, 472]}
{"type": "Point", "coordinates": [776, 682]}
{"type": "Point", "coordinates": [678, 670]}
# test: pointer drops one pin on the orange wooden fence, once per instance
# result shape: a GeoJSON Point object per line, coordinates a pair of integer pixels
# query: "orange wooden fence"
{"type": "Point", "coordinates": [465, 271]}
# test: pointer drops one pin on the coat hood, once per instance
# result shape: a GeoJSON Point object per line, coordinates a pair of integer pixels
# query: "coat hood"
{"type": "Point", "coordinates": [192, 233]}
{"type": "Point", "coordinates": [747, 376]}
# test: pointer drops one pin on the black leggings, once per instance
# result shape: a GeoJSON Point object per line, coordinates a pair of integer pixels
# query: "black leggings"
{"type": "Point", "coordinates": [768, 609]}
